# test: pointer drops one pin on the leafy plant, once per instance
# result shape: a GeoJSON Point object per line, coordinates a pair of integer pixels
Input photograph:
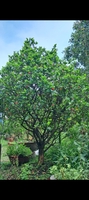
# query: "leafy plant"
{"type": "Point", "coordinates": [66, 172]}
{"type": "Point", "coordinates": [17, 149]}
{"type": "Point", "coordinates": [23, 150]}
{"type": "Point", "coordinates": [44, 94]}
{"type": "Point", "coordinates": [25, 171]}
{"type": "Point", "coordinates": [12, 150]}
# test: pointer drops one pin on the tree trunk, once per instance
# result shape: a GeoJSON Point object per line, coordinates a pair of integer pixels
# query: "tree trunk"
{"type": "Point", "coordinates": [41, 155]}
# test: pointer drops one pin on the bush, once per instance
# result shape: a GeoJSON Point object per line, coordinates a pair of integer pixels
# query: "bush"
{"type": "Point", "coordinates": [17, 149]}
{"type": "Point", "coordinates": [12, 150]}
{"type": "Point", "coordinates": [70, 160]}
{"type": "Point", "coordinates": [24, 175]}
{"type": "Point", "coordinates": [66, 173]}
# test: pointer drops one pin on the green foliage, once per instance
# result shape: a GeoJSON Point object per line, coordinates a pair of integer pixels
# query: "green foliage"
{"type": "Point", "coordinates": [1, 130]}
{"type": "Point", "coordinates": [23, 150]}
{"type": "Point", "coordinates": [70, 160]}
{"type": "Point", "coordinates": [79, 43]}
{"type": "Point", "coordinates": [17, 149]}
{"type": "Point", "coordinates": [43, 94]}
{"type": "Point", "coordinates": [12, 128]}
{"type": "Point", "coordinates": [74, 151]}
{"type": "Point", "coordinates": [25, 170]}
{"type": "Point", "coordinates": [12, 150]}
{"type": "Point", "coordinates": [1, 177]}
{"type": "Point", "coordinates": [65, 173]}
{"type": "Point", "coordinates": [74, 148]}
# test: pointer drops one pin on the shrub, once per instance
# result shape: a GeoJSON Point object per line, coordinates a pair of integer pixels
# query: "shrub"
{"type": "Point", "coordinates": [67, 172]}
{"type": "Point", "coordinates": [17, 149]}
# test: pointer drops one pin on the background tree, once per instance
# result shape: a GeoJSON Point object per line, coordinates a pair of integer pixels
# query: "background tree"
{"type": "Point", "coordinates": [79, 44]}
{"type": "Point", "coordinates": [43, 93]}
{"type": "Point", "coordinates": [1, 116]}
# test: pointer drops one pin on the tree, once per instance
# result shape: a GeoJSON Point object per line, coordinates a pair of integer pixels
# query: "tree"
{"type": "Point", "coordinates": [42, 93]}
{"type": "Point", "coordinates": [1, 116]}
{"type": "Point", "coordinates": [79, 44]}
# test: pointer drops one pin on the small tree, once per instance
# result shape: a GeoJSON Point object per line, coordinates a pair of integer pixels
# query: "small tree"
{"type": "Point", "coordinates": [42, 92]}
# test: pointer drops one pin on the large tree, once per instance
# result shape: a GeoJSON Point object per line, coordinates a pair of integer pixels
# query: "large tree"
{"type": "Point", "coordinates": [79, 44]}
{"type": "Point", "coordinates": [43, 93]}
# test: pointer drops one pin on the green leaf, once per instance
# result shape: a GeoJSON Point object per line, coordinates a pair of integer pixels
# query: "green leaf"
{"type": "Point", "coordinates": [27, 117]}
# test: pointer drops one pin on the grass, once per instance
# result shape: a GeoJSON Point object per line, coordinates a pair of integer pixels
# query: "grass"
{"type": "Point", "coordinates": [4, 157]}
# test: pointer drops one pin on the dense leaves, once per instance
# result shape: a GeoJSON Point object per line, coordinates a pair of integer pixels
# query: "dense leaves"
{"type": "Point", "coordinates": [79, 44]}
{"type": "Point", "coordinates": [43, 93]}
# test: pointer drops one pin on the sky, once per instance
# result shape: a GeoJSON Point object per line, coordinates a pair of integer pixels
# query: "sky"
{"type": "Point", "coordinates": [46, 32]}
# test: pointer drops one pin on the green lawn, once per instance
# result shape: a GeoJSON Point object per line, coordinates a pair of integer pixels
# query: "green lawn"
{"type": "Point", "coordinates": [4, 157]}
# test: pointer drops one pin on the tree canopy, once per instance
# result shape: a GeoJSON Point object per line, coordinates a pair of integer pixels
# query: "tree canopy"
{"type": "Point", "coordinates": [45, 94]}
{"type": "Point", "coordinates": [79, 44]}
